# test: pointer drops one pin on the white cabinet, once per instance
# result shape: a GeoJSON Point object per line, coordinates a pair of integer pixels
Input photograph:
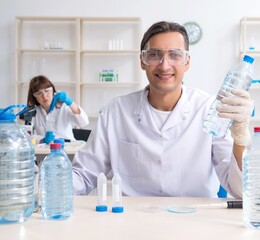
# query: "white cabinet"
{"type": "Point", "coordinates": [72, 51]}
{"type": "Point", "coordinates": [250, 45]}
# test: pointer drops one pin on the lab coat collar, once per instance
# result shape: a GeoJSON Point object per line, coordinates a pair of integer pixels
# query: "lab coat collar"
{"type": "Point", "coordinates": [178, 115]}
{"type": "Point", "coordinates": [43, 110]}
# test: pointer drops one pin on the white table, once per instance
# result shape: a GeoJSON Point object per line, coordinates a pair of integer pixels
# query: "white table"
{"type": "Point", "coordinates": [41, 150]}
{"type": "Point", "coordinates": [133, 224]}
{"type": "Point", "coordinates": [70, 147]}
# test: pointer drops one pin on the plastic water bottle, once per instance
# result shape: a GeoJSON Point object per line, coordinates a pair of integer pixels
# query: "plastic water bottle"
{"type": "Point", "coordinates": [16, 169]}
{"type": "Point", "coordinates": [36, 188]}
{"type": "Point", "coordinates": [251, 182]}
{"type": "Point", "coordinates": [56, 184]}
{"type": "Point", "coordinates": [239, 77]}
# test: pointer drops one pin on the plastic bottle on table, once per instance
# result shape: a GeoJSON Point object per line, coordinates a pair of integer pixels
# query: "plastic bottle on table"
{"type": "Point", "coordinates": [56, 184]}
{"type": "Point", "coordinates": [36, 188]}
{"type": "Point", "coordinates": [251, 182]}
{"type": "Point", "coordinates": [117, 206]}
{"type": "Point", "coordinates": [16, 169]}
{"type": "Point", "coordinates": [101, 193]}
{"type": "Point", "coordinates": [239, 77]}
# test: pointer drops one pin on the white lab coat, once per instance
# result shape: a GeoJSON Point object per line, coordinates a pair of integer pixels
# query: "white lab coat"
{"type": "Point", "coordinates": [60, 121]}
{"type": "Point", "coordinates": [180, 160]}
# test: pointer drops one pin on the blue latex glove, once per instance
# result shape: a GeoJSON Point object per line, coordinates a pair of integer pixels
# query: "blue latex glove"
{"type": "Point", "coordinates": [60, 97]}
{"type": "Point", "coordinates": [49, 136]}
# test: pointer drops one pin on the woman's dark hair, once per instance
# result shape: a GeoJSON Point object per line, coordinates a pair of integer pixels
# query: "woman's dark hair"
{"type": "Point", "coordinates": [37, 83]}
{"type": "Point", "coordinates": [164, 27]}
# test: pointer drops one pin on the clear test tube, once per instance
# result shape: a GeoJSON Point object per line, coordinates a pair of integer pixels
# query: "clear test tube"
{"type": "Point", "coordinates": [117, 206]}
{"type": "Point", "coordinates": [101, 193]}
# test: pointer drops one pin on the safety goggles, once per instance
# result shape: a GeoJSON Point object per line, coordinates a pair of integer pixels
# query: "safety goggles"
{"type": "Point", "coordinates": [174, 57]}
{"type": "Point", "coordinates": [42, 91]}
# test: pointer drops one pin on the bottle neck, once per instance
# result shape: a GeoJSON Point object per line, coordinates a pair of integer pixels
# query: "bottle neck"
{"type": "Point", "coordinates": [55, 149]}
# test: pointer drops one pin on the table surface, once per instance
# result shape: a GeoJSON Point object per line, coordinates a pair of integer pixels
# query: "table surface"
{"type": "Point", "coordinates": [70, 147]}
{"type": "Point", "coordinates": [135, 223]}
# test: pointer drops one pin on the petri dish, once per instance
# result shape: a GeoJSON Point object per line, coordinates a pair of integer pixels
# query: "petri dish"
{"type": "Point", "coordinates": [181, 209]}
{"type": "Point", "coordinates": [150, 208]}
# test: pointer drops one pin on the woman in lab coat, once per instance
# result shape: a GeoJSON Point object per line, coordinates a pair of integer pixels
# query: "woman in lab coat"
{"type": "Point", "coordinates": [56, 113]}
{"type": "Point", "coordinates": [154, 139]}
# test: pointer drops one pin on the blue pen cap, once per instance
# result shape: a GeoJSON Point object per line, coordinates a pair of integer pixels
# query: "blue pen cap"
{"type": "Point", "coordinates": [248, 59]}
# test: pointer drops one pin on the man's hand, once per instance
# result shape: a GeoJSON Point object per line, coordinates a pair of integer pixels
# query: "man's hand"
{"type": "Point", "coordinates": [238, 108]}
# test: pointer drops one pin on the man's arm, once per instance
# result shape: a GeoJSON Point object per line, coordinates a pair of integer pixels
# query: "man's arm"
{"type": "Point", "coordinates": [238, 153]}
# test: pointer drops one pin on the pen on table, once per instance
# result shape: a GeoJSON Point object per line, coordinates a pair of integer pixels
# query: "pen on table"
{"type": "Point", "coordinates": [228, 204]}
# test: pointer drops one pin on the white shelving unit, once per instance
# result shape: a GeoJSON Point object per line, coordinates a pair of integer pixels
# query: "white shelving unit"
{"type": "Point", "coordinates": [71, 52]}
{"type": "Point", "coordinates": [108, 43]}
{"type": "Point", "coordinates": [250, 45]}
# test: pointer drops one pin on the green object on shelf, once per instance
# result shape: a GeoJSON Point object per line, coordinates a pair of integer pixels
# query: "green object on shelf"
{"type": "Point", "coordinates": [108, 75]}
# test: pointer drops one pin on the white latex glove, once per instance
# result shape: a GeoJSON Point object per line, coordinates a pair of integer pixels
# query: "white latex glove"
{"type": "Point", "coordinates": [238, 108]}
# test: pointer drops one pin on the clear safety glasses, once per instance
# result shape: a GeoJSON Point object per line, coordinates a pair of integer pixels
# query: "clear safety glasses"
{"type": "Point", "coordinates": [42, 91]}
{"type": "Point", "coordinates": [174, 57]}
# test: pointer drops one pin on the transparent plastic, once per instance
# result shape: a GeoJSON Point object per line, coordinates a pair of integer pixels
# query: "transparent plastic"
{"type": "Point", "coordinates": [101, 193]}
{"type": "Point", "coordinates": [16, 169]}
{"type": "Point", "coordinates": [36, 188]}
{"type": "Point", "coordinates": [239, 77]}
{"type": "Point", "coordinates": [56, 188]}
{"type": "Point", "coordinates": [251, 182]}
{"type": "Point", "coordinates": [117, 206]}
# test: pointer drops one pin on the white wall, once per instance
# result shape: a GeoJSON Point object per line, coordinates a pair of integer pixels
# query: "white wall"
{"type": "Point", "coordinates": [211, 57]}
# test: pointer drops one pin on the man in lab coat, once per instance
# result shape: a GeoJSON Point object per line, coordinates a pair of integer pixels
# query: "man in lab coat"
{"type": "Point", "coordinates": [154, 139]}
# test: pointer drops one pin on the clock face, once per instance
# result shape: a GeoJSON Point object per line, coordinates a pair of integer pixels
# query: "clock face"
{"type": "Point", "coordinates": [194, 31]}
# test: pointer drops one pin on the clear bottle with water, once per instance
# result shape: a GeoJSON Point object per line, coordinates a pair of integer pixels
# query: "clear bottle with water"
{"type": "Point", "coordinates": [251, 182]}
{"type": "Point", "coordinates": [239, 77]}
{"type": "Point", "coordinates": [16, 169]}
{"type": "Point", "coordinates": [56, 188]}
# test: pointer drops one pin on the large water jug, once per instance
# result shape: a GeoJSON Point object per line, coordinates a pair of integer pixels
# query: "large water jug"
{"type": "Point", "coordinates": [16, 169]}
{"type": "Point", "coordinates": [251, 182]}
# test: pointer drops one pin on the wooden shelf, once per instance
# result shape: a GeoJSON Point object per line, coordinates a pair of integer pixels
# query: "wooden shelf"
{"type": "Point", "coordinates": [23, 50]}
{"type": "Point", "coordinates": [84, 54]}
{"type": "Point", "coordinates": [109, 84]}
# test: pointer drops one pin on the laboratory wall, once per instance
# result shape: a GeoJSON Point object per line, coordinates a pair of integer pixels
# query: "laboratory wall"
{"type": "Point", "coordinates": [217, 51]}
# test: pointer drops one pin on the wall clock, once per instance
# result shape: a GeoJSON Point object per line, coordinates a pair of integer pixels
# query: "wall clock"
{"type": "Point", "coordinates": [194, 32]}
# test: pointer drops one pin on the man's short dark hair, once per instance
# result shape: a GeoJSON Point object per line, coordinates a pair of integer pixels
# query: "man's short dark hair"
{"type": "Point", "coordinates": [164, 27]}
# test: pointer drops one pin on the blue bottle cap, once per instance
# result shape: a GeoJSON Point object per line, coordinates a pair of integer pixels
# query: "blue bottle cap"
{"type": "Point", "coordinates": [248, 59]}
{"type": "Point", "coordinates": [117, 209]}
{"type": "Point", "coordinates": [59, 140]}
{"type": "Point", "coordinates": [101, 208]}
{"type": "Point", "coordinates": [8, 113]}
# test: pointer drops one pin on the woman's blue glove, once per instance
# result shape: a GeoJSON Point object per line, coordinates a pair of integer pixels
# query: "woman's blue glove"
{"type": "Point", "coordinates": [60, 97]}
{"type": "Point", "coordinates": [49, 136]}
